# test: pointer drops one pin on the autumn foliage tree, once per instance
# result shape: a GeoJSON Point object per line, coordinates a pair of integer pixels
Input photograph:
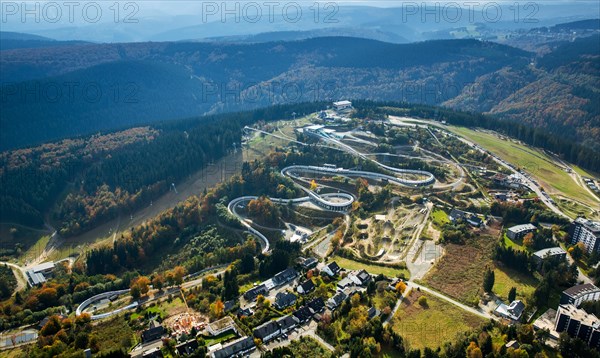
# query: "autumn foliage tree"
{"type": "Point", "coordinates": [528, 240]}
{"type": "Point", "coordinates": [473, 351]}
{"type": "Point", "coordinates": [263, 210]}
{"type": "Point", "coordinates": [577, 251]}
{"type": "Point", "coordinates": [158, 281]}
{"type": "Point", "coordinates": [336, 240]}
{"type": "Point", "coordinates": [139, 286]}
{"type": "Point", "coordinates": [217, 309]}
{"type": "Point", "coordinates": [400, 287]}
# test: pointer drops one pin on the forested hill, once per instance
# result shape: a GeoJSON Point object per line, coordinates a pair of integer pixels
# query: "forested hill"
{"type": "Point", "coordinates": [90, 87]}
{"type": "Point", "coordinates": [115, 173]}
{"type": "Point", "coordinates": [86, 88]}
{"type": "Point", "coordinates": [84, 181]}
{"type": "Point", "coordinates": [559, 92]}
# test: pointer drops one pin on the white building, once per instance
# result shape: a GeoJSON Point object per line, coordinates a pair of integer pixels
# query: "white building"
{"type": "Point", "coordinates": [221, 326]}
{"type": "Point", "coordinates": [587, 232]}
{"type": "Point", "coordinates": [342, 105]}
{"type": "Point", "coordinates": [512, 311]}
{"type": "Point", "coordinates": [580, 293]}
{"type": "Point", "coordinates": [331, 269]}
{"type": "Point", "coordinates": [578, 323]}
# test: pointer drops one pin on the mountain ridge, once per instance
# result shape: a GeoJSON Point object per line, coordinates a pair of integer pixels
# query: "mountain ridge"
{"type": "Point", "coordinates": [182, 79]}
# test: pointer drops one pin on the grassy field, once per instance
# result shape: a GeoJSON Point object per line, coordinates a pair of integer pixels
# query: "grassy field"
{"type": "Point", "coordinates": [372, 269]}
{"type": "Point", "coordinates": [540, 165]}
{"type": "Point", "coordinates": [507, 278]}
{"type": "Point", "coordinates": [35, 250]}
{"type": "Point", "coordinates": [459, 273]}
{"type": "Point", "coordinates": [584, 173]}
{"type": "Point", "coordinates": [439, 217]}
{"type": "Point", "coordinates": [434, 324]}
{"type": "Point", "coordinates": [515, 245]}
{"type": "Point", "coordinates": [163, 309]}
{"type": "Point", "coordinates": [223, 337]}
{"type": "Point", "coordinates": [261, 144]}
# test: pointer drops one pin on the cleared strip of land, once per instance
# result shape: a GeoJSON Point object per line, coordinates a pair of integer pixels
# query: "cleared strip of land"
{"type": "Point", "coordinates": [539, 164]}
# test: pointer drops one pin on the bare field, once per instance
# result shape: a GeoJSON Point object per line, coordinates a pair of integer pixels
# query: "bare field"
{"type": "Point", "coordinates": [459, 273]}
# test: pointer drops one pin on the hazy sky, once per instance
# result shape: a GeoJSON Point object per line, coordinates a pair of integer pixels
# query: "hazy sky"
{"type": "Point", "coordinates": [24, 16]}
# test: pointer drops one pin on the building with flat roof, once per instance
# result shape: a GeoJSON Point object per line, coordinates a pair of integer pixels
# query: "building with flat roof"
{"type": "Point", "coordinates": [37, 275]}
{"type": "Point", "coordinates": [550, 252]}
{"type": "Point", "coordinates": [556, 254]}
{"type": "Point", "coordinates": [587, 232]}
{"type": "Point", "coordinates": [360, 278]}
{"type": "Point", "coordinates": [342, 105]}
{"type": "Point", "coordinates": [518, 231]}
{"type": "Point", "coordinates": [580, 293]}
{"type": "Point", "coordinates": [578, 323]}
{"type": "Point", "coordinates": [221, 326]}
{"type": "Point", "coordinates": [345, 282]}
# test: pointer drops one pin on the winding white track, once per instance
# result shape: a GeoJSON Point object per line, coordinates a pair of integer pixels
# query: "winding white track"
{"type": "Point", "coordinates": [343, 201]}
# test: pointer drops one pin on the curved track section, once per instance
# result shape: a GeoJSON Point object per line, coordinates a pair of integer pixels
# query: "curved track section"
{"type": "Point", "coordinates": [231, 207]}
{"type": "Point", "coordinates": [344, 202]}
{"type": "Point", "coordinates": [430, 179]}
{"type": "Point", "coordinates": [337, 202]}
{"type": "Point", "coordinates": [102, 296]}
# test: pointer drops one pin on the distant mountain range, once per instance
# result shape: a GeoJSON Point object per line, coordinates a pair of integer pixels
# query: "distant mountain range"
{"type": "Point", "coordinates": [75, 89]}
{"type": "Point", "coordinates": [68, 91]}
{"type": "Point", "coordinates": [373, 34]}
{"type": "Point", "coordinates": [413, 21]}
{"type": "Point", "coordinates": [16, 40]}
